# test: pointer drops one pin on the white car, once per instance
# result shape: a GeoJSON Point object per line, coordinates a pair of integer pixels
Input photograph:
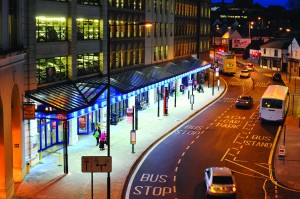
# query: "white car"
{"type": "Point", "coordinates": [244, 74]}
{"type": "Point", "coordinates": [220, 182]}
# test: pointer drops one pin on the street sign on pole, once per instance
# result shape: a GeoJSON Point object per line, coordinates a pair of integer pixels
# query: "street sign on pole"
{"type": "Point", "coordinates": [86, 164]}
{"type": "Point", "coordinates": [96, 163]}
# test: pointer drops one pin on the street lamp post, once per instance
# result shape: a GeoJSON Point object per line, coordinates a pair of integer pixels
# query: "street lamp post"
{"type": "Point", "coordinates": [108, 105]}
{"type": "Point", "coordinates": [250, 25]}
{"type": "Point", "coordinates": [261, 22]}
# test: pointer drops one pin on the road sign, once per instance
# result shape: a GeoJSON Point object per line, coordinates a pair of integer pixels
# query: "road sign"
{"type": "Point", "coordinates": [281, 151]}
{"type": "Point", "coordinates": [96, 163]}
{"type": "Point", "coordinates": [86, 164]}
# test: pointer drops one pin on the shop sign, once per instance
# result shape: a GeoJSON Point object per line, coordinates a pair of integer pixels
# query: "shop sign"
{"type": "Point", "coordinates": [28, 111]}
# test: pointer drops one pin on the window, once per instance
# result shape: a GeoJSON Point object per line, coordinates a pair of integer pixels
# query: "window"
{"type": "Point", "coordinates": [87, 64]}
{"type": "Point", "coordinates": [166, 52]}
{"type": "Point", "coordinates": [222, 180]}
{"type": "Point", "coordinates": [276, 53]}
{"type": "Point", "coordinates": [88, 2]}
{"type": "Point", "coordinates": [51, 69]}
{"type": "Point", "coordinates": [272, 103]}
{"type": "Point", "coordinates": [51, 29]}
{"type": "Point", "coordinates": [88, 29]}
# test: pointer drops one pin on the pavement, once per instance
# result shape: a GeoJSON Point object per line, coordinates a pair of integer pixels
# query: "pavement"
{"type": "Point", "coordinates": [47, 180]}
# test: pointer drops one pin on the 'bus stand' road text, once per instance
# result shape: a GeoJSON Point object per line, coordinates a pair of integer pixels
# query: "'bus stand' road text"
{"type": "Point", "coordinates": [259, 141]}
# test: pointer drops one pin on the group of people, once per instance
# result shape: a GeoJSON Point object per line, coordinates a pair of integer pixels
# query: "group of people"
{"type": "Point", "coordinates": [197, 86]}
{"type": "Point", "coordinates": [100, 138]}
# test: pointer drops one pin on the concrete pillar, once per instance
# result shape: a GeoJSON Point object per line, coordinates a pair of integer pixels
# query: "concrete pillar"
{"type": "Point", "coordinates": [73, 124]}
{"type": "Point", "coordinates": [151, 94]}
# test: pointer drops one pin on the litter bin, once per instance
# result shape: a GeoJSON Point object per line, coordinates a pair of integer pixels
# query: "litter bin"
{"type": "Point", "coordinates": [114, 119]}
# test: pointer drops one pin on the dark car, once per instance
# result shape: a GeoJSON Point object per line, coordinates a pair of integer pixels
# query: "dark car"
{"type": "Point", "coordinates": [249, 66]}
{"type": "Point", "coordinates": [276, 76]}
{"type": "Point", "coordinates": [244, 101]}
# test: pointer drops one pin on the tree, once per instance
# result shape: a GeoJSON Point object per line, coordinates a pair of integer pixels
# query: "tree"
{"type": "Point", "coordinates": [243, 3]}
{"type": "Point", "coordinates": [294, 4]}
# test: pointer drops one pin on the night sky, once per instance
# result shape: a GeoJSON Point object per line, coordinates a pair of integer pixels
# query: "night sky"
{"type": "Point", "coordinates": [261, 2]}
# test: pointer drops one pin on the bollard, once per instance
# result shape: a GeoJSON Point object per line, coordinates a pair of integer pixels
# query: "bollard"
{"type": "Point", "coordinates": [27, 168]}
{"type": "Point", "coordinates": [40, 157]}
{"type": "Point", "coordinates": [60, 159]}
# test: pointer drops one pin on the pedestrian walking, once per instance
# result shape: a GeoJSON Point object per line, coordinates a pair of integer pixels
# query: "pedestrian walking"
{"type": "Point", "coordinates": [96, 134]}
{"type": "Point", "coordinates": [195, 84]}
{"type": "Point", "coordinates": [102, 141]}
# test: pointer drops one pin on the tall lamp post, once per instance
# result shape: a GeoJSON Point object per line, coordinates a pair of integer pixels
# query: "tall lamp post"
{"type": "Point", "coordinates": [108, 103]}
{"type": "Point", "coordinates": [108, 114]}
{"type": "Point", "coordinates": [251, 23]}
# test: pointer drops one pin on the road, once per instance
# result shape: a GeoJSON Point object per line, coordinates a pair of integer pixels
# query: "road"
{"type": "Point", "coordinates": [221, 135]}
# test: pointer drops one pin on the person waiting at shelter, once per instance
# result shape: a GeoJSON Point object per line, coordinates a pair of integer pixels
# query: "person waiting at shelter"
{"type": "Point", "coordinates": [102, 141]}
{"type": "Point", "coordinates": [200, 89]}
{"type": "Point", "coordinates": [96, 134]}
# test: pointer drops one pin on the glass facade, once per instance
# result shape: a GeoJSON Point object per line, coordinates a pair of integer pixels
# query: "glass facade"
{"type": "Point", "coordinates": [50, 29]}
{"type": "Point", "coordinates": [51, 69]}
{"type": "Point", "coordinates": [87, 64]}
{"type": "Point", "coordinates": [89, 29]}
{"type": "Point", "coordinates": [50, 134]}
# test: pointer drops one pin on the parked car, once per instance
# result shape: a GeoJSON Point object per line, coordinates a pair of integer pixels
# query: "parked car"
{"type": "Point", "coordinates": [276, 76]}
{"type": "Point", "coordinates": [244, 101]}
{"type": "Point", "coordinates": [249, 66]}
{"type": "Point", "coordinates": [220, 182]}
{"type": "Point", "coordinates": [244, 73]}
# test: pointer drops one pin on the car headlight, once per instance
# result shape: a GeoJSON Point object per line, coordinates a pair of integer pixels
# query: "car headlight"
{"type": "Point", "coordinates": [234, 189]}
{"type": "Point", "coordinates": [211, 189]}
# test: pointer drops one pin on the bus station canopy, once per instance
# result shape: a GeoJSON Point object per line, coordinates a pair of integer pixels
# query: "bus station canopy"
{"type": "Point", "coordinates": [75, 95]}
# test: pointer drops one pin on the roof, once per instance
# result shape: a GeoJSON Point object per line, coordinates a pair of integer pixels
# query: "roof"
{"type": "Point", "coordinates": [232, 34]}
{"type": "Point", "coordinates": [276, 92]}
{"type": "Point", "coordinates": [75, 95]}
{"type": "Point", "coordinates": [221, 171]}
{"type": "Point", "coordinates": [279, 43]}
{"type": "Point", "coordinates": [255, 44]}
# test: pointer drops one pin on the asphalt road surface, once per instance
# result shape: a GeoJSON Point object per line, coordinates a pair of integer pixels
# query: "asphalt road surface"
{"type": "Point", "coordinates": [220, 135]}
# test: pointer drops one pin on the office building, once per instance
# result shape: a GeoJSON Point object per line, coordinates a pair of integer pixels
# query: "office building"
{"type": "Point", "coordinates": [53, 68]}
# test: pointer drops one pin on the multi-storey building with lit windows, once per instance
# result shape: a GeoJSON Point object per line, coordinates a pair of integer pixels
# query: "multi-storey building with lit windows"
{"type": "Point", "coordinates": [54, 56]}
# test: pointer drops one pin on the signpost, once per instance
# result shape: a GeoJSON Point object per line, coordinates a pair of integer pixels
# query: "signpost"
{"type": "Point", "coordinates": [95, 164]}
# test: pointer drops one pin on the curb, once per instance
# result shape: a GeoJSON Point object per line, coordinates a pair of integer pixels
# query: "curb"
{"type": "Point", "coordinates": [134, 165]}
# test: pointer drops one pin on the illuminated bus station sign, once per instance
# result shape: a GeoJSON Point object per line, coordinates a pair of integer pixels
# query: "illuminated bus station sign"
{"type": "Point", "coordinates": [28, 111]}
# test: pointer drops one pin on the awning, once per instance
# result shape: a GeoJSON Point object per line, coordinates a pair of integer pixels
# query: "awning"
{"type": "Point", "coordinates": [76, 95]}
